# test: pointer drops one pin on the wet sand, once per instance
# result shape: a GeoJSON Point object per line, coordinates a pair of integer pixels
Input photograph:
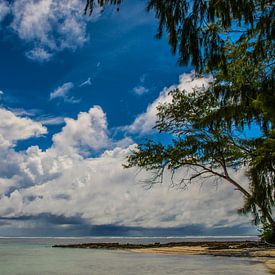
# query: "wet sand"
{"type": "Point", "coordinates": [265, 255]}
{"type": "Point", "coordinates": [262, 251]}
{"type": "Point", "coordinates": [233, 251]}
{"type": "Point", "coordinates": [270, 264]}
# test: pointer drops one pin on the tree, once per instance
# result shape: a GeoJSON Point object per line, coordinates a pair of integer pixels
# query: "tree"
{"type": "Point", "coordinates": [208, 128]}
{"type": "Point", "coordinates": [202, 30]}
{"type": "Point", "coordinates": [91, 3]}
{"type": "Point", "coordinates": [234, 41]}
{"type": "Point", "coordinates": [205, 150]}
{"type": "Point", "coordinates": [199, 29]}
{"type": "Point", "coordinates": [247, 97]}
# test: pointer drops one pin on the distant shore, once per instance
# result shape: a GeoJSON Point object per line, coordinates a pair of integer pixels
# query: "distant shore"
{"type": "Point", "coordinates": [260, 250]}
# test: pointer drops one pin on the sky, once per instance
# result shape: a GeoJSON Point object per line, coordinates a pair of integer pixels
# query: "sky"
{"type": "Point", "coordinates": [77, 93]}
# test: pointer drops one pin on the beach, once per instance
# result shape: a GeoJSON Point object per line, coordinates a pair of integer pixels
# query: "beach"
{"type": "Point", "coordinates": [31, 256]}
{"type": "Point", "coordinates": [262, 251]}
{"type": "Point", "coordinates": [267, 256]}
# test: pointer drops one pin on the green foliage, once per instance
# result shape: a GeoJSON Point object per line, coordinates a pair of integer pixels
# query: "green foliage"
{"type": "Point", "coordinates": [247, 96]}
{"type": "Point", "coordinates": [246, 86]}
{"type": "Point", "coordinates": [207, 149]}
{"type": "Point", "coordinates": [199, 29]}
{"type": "Point", "coordinates": [210, 148]}
{"type": "Point", "coordinates": [267, 233]}
{"type": "Point", "coordinates": [91, 3]}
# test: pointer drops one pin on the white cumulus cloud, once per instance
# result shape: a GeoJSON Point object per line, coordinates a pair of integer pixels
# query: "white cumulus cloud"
{"type": "Point", "coordinates": [146, 121]}
{"type": "Point", "coordinates": [66, 181]}
{"type": "Point", "coordinates": [100, 191]}
{"type": "Point", "coordinates": [13, 128]}
{"type": "Point", "coordinates": [89, 131]}
{"type": "Point", "coordinates": [49, 26]}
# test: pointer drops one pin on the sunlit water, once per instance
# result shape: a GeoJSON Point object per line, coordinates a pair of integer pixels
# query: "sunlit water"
{"type": "Point", "coordinates": [36, 256]}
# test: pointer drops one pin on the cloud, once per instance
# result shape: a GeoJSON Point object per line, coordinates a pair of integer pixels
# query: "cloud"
{"type": "Point", "coordinates": [14, 128]}
{"type": "Point", "coordinates": [4, 9]}
{"type": "Point", "coordinates": [44, 119]}
{"type": "Point", "coordinates": [23, 112]}
{"type": "Point", "coordinates": [142, 79]}
{"type": "Point", "coordinates": [87, 132]}
{"type": "Point", "coordinates": [145, 122]}
{"type": "Point", "coordinates": [49, 26]}
{"type": "Point", "coordinates": [80, 177]}
{"type": "Point", "coordinates": [87, 82]}
{"type": "Point", "coordinates": [78, 138]}
{"type": "Point", "coordinates": [99, 191]}
{"type": "Point", "coordinates": [140, 90]}
{"type": "Point", "coordinates": [39, 54]}
{"type": "Point", "coordinates": [62, 91]}
{"type": "Point", "coordinates": [49, 120]}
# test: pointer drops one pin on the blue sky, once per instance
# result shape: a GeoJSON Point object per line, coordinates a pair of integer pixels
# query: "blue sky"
{"type": "Point", "coordinates": [77, 93]}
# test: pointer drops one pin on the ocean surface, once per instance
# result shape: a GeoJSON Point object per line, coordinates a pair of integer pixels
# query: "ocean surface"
{"type": "Point", "coordinates": [36, 256]}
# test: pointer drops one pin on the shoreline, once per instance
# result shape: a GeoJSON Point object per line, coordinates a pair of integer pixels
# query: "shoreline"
{"type": "Point", "coordinates": [266, 256]}
{"type": "Point", "coordinates": [260, 250]}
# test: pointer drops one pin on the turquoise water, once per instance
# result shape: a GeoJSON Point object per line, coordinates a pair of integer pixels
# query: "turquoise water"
{"type": "Point", "coordinates": [36, 256]}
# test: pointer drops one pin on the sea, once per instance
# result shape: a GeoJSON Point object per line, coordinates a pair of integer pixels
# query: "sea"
{"type": "Point", "coordinates": [36, 256]}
